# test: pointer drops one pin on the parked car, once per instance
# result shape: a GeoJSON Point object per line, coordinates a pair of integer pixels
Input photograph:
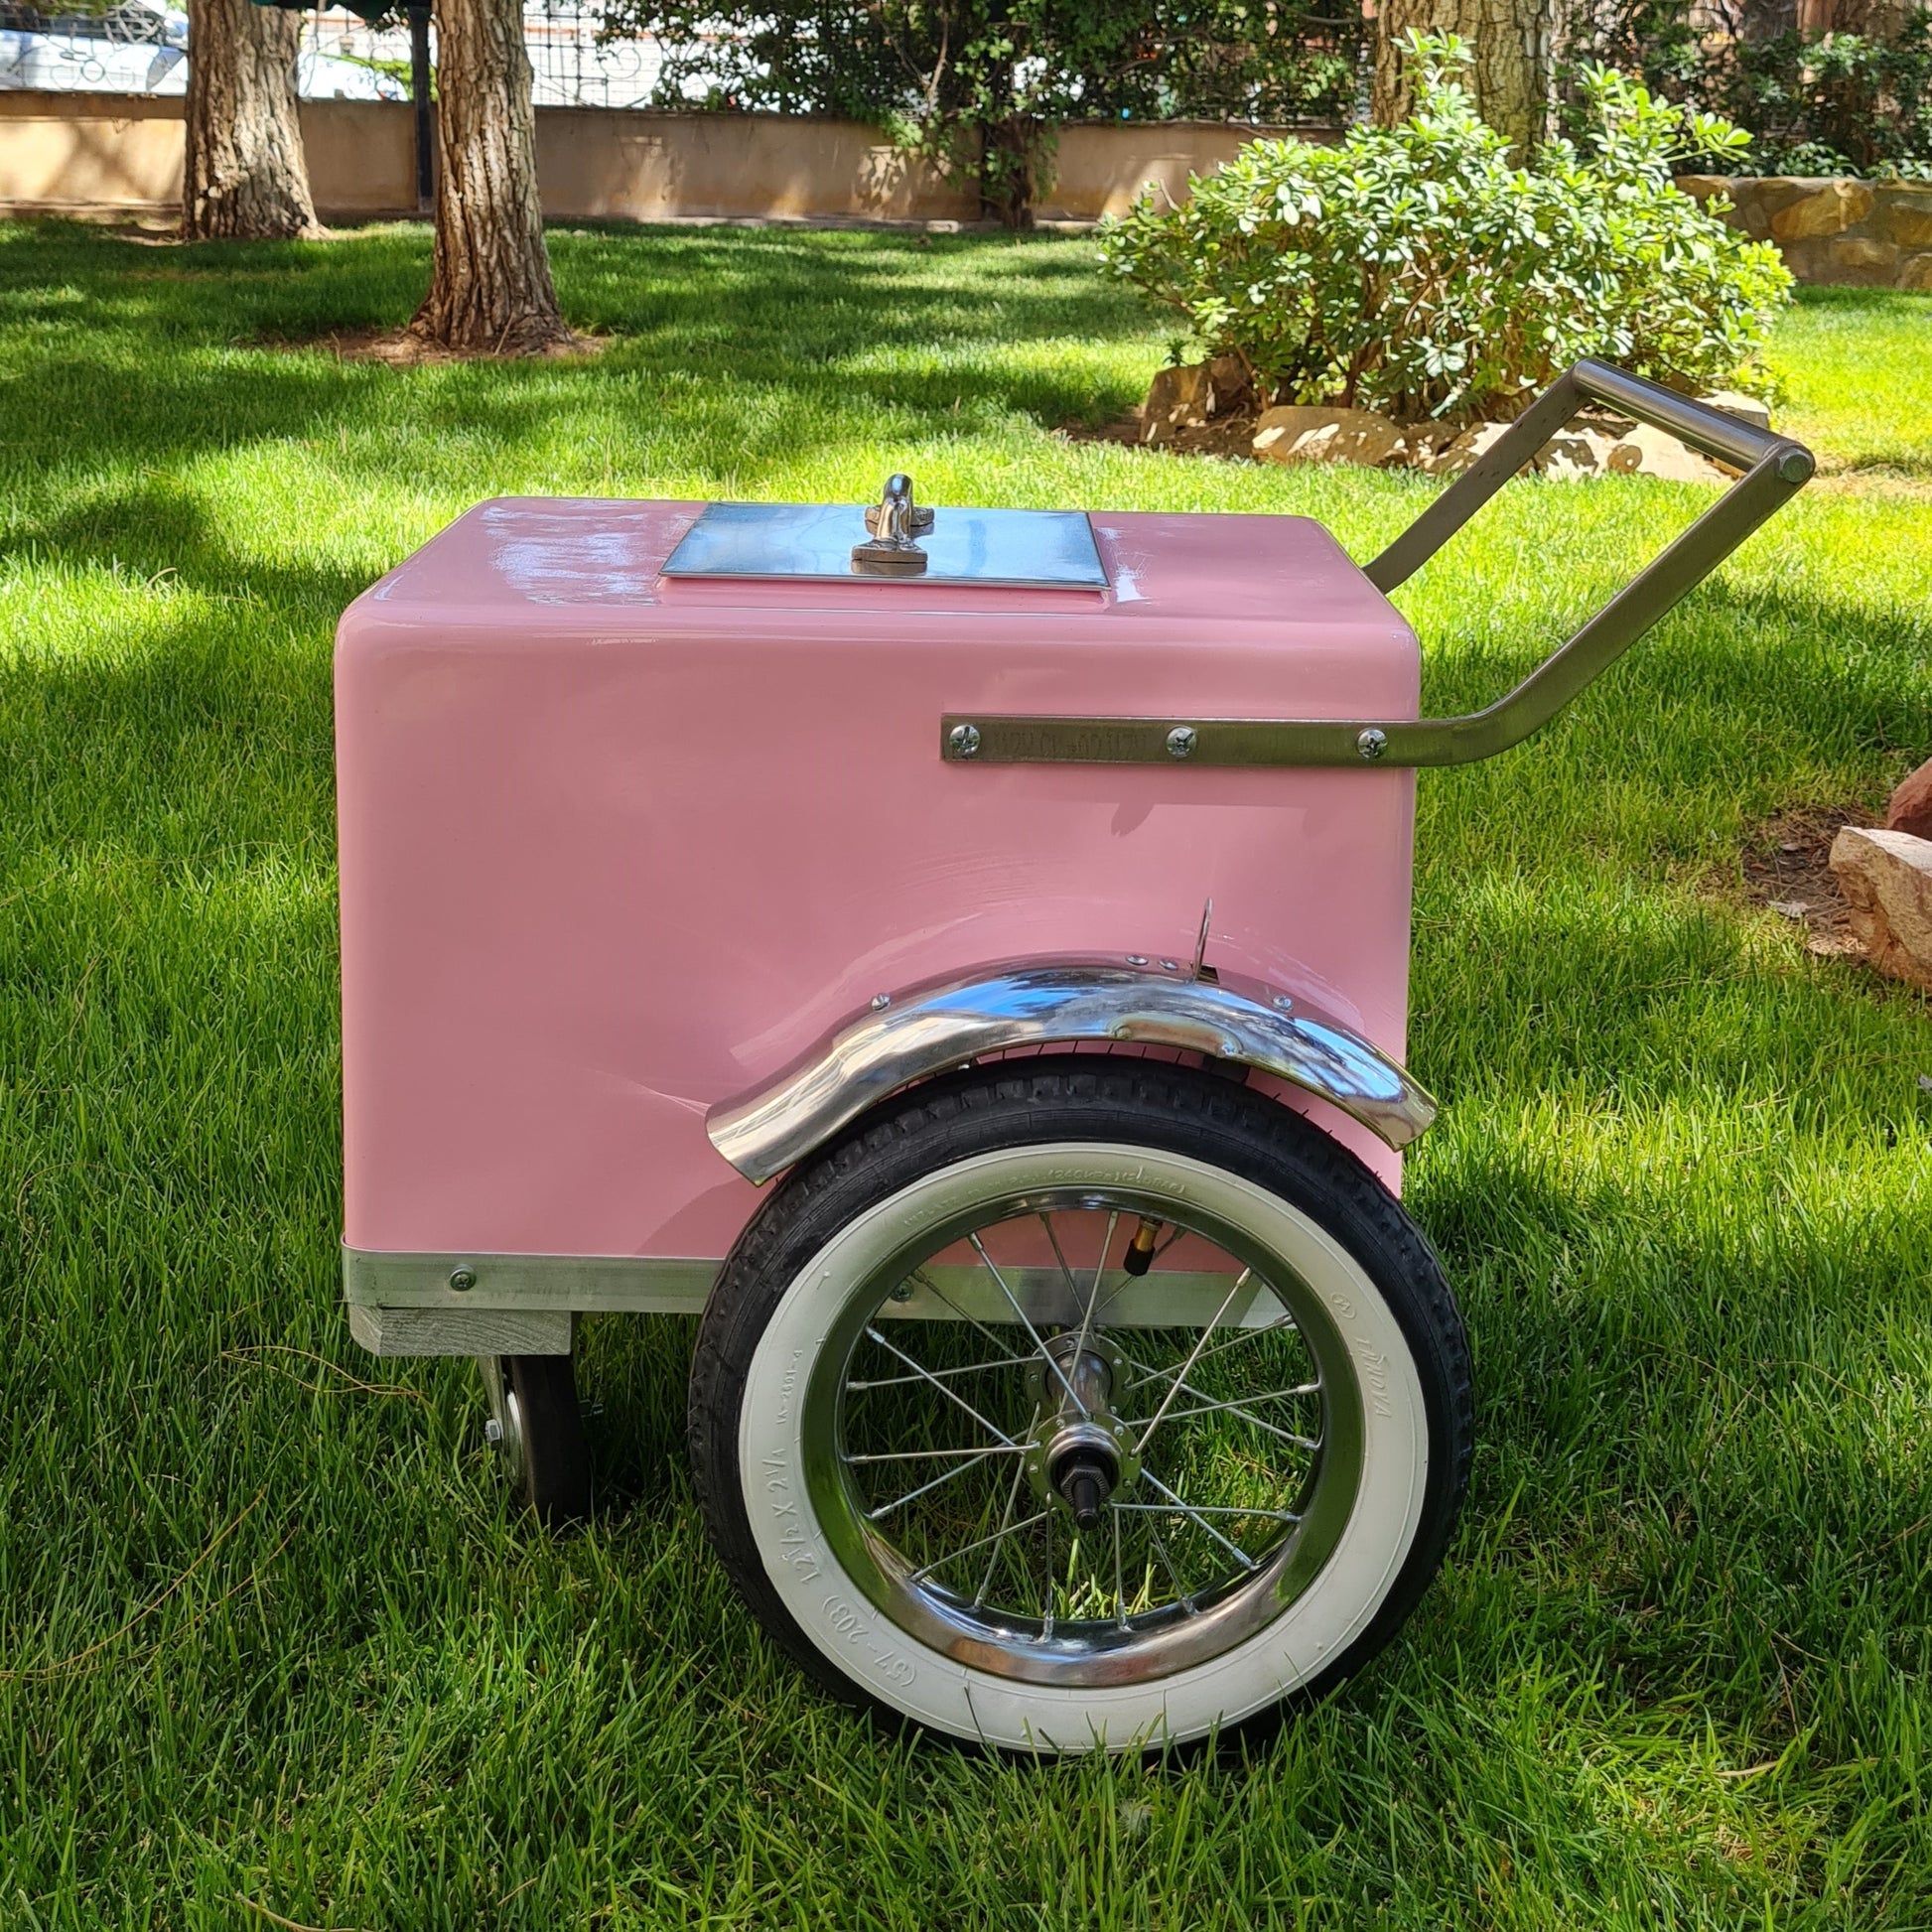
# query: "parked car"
{"type": "Point", "coordinates": [140, 49]}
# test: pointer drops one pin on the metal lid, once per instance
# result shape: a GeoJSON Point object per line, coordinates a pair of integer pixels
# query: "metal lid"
{"type": "Point", "coordinates": [891, 541]}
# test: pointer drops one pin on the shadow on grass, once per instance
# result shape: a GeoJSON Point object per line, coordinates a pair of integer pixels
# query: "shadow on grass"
{"type": "Point", "coordinates": [707, 324]}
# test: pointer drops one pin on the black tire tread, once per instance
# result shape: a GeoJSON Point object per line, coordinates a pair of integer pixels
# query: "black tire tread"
{"type": "Point", "coordinates": [556, 1484]}
{"type": "Point", "coordinates": [1114, 1098]}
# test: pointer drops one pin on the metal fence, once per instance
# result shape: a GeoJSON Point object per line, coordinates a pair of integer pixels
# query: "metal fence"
{"type": "Point", "coordinates": [140, 46]}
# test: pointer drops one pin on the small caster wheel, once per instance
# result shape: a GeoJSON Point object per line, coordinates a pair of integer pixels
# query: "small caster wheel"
{"type": "Point", "coordinates": [537, 1429]}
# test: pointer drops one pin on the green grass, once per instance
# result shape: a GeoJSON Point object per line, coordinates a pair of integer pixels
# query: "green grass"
{"type": "Point", "coordinates": [269, 1635]}
{"type": "Point", "coordinates": [1856, 365]}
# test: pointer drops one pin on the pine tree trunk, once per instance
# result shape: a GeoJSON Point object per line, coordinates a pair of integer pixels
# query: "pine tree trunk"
{"type": "Point", "coordinates": [1511, 79]}
{"type": "Point", "coordinates": [489, 287]}
{"type": "Point", "coordinates": [245, 176]}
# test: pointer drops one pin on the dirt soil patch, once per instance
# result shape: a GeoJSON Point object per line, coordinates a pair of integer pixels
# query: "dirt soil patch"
{"type": "Point", "coordinates": [1787, 870]}
{"type": "Point", "coordinates": [1230, 436]}
{"type": "Point", "coordinates": [401, 351]}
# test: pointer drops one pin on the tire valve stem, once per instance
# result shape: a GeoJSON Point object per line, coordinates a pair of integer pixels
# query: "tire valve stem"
{"type": "Point", "coordinates": [1140, 1251]}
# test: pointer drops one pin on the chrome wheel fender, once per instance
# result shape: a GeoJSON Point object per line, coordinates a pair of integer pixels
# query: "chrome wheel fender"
{"type": "Point", "coordinates": [927, 1029]}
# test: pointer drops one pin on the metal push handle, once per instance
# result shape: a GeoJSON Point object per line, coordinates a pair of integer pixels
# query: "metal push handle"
{"type": "Point", "coordinates": [1775, 469]}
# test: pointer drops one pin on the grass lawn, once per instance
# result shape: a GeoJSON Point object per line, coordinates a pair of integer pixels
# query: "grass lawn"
{"type": "Point", "coordinates": [272, 1646]}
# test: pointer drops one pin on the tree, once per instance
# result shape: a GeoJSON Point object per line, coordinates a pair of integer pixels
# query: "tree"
{"type": "Point", "coordinates": [490, 288]}
{"type": "Point", "coordinates": [1513, 74]}
{"type": "Point", "coordinates": [244, 176]}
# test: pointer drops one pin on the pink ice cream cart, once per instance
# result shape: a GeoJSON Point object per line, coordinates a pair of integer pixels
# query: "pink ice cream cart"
{"type": "Point", "coordinates": [962, 955]}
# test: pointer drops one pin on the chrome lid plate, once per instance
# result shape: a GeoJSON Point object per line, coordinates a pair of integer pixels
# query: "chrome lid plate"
{"type": "Point", "coordinates": [1025, 549]}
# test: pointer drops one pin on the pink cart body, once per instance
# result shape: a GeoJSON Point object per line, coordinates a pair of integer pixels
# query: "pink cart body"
{"type": "Point", "coordinates": [616, 847]}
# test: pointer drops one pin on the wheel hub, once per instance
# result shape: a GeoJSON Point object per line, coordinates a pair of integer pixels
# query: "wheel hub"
{"type": "Point", "coordinates": [1080, 1454]}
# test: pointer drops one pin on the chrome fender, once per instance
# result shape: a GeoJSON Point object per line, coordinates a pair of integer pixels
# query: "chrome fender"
{"type": "Point", "coordinates": [933, 1027]}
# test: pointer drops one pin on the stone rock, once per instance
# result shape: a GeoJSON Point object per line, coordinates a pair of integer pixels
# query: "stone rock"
{"type": "Point", "coordinates": [1450, 458]}
{"type": "Point", "coordinates": [1231, 383]}
{"type": "Point", "coordinates": [1310, 435]}
{"type": "Point", "coordinates": [1831, 209]}
{"type": "Point", "coordinates": [1908, 219]}
{"type": "Point", "coordinates": [1178, 398]}
{"type": "Point", "coordinates": [1657, 452]}
{"type": "Point", "coordinates": [1587, 453]}
{"type": "Point", "coordinates": [1887, 879]}
{"type": "Point", "coordinates": [1746, 408]}
{"type": "Point", "coordinates": [1917, 274]}
{"type": "Point", "coordinates": [1910, 809]}
{"type": "Point", "coordinates": [1858, 252]}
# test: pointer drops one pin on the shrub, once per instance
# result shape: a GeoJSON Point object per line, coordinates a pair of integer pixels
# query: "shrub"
{"type": "Point", "coordinates": [1414, 270]}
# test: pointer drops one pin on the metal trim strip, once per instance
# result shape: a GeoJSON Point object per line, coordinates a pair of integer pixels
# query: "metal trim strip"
{"type": "Point", "coordinates": [582, 1283]}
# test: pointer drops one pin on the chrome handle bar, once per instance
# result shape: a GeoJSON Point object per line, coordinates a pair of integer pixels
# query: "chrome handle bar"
{"type": "Point", "coordinates": [1775, 469]}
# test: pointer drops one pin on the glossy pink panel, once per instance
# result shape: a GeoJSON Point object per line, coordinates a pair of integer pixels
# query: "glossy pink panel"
{"type": "Point", "coordinates": [615, 849]}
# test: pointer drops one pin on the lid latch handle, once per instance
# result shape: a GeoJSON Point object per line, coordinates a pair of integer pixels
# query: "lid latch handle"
{"type": "Point", "coordinates": [895, 522]}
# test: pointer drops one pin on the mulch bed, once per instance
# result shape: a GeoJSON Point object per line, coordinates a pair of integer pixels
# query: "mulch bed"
{"type": "Point", "coordinates": [1787, 870]}
{"type": "Point", "coordinates": [398, 350]}
{"type": "Point", "coordinates": [1224, 436]}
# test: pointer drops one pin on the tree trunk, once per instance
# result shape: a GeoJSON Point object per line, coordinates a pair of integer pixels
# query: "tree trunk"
{"type": "Point", "coordinates": [1874, 20]}
{"type": "Point", "coordinates": [489, 287]}
{"type": "Point", "coordinates": [1511, 79]}
{"type": "Point", "coordinates": [244, 177]}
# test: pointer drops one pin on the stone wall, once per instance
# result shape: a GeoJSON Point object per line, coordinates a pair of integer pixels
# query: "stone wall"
{"type": "Point", "coordinates": [1868, 235]}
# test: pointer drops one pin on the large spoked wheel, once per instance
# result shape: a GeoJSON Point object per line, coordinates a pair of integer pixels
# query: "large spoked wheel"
{"type": "Point", "coordinates": [1081, 1404]}
{"type": "Point", "coordinates": [537, 1427]}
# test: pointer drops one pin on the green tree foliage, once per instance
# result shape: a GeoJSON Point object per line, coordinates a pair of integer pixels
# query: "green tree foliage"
{"type": "Point", "coordinates": [1816, 103]}
{"type": "Point", "coordinates": [979, 85]}
{"type": "Point", "coordinates": [1414, 270]}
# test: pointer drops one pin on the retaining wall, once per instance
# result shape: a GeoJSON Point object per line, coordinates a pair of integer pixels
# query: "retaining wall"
{"type": "Point", "coordinates": [1869, 235]}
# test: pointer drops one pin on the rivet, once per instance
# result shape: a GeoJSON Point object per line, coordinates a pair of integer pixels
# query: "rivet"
{"type": "Point", "coordinates": [1137, 959]}
{"type": "Point", "coordinates": [1170, 965]}
{"type": "Point", "coordinates": [463, 1278]}
{"type": "Point", "coordinates": [1284, 1003]}
{"type": "Point", "coordinates": [881, 1001]}
{"type": "Point", "coordinates": [1371, 743]}
{"type": "Point", "coordinates": [1181, 742]}
{"type": "Point", "coordinates": [964, 740]}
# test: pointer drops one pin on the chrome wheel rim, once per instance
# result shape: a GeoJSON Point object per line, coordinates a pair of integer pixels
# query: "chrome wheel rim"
{"type": "Point", "coordinates": [1001, 1341]}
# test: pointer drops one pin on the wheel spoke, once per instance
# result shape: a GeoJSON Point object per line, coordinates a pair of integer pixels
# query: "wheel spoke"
{"type": "Point", "coordinates": [926, 1488]}
{"type": "Point", "coordinates": [1013, 1496]}
{"type": "Point", "coordinates": [1209, 1509]}
{"type": "Point", "coordinates": [967, 1549]}
{"type": "Point", "coordinates": [1033, 1334]}
{"type": "Point", "coordinates": [1185, 1508]}
{"type": "Point", "coordinates": [1046, 1609]}
{"type": "Point", "coordinates": [1173, 1576]}
{"type": "Point", "coordinates": [1180, 1381]}
{"type": "Point", "coordinates": [1120, 1592]}
{"type": "Point", "coordinates": [1054, 1241]}
{"type": "Point", "coordinates": [951, 1394]}
{"type": "Point", "coordinates": [1239, 1406]}
{"type": "Point", "coordinates": [934, 1375]}
{"type": "Point", "coordinates": [917, 1455]}
{"type": "Point", "coordinates": [925, 1281]}
{"type": "Point", "coordinates": [1233, 1342]}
